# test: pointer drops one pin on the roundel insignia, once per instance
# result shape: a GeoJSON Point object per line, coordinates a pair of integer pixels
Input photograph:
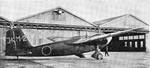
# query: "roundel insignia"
{"type": "Point", "coordinates": [46, 50]}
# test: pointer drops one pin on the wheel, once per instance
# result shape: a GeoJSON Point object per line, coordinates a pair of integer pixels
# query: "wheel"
{"type": "Point", "coordinates": [99, 57]}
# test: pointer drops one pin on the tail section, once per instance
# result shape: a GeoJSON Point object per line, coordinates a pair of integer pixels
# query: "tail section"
{"type": "Point", "coordinates": [16, 41]}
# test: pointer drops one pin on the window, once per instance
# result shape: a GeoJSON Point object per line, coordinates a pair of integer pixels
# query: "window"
{"type": "Point", "coordinates": [136, 44]}
{"type": "Point", "coordinates": [120, 38]}
{"type": "Point", "coordinates": [125, 44]}
{"type": "Point", "coordinates": [141, 37]}
{"type": "Point", "coordinates": [125, 37]}
{"type": "Point", "coordinates": [130, 37]}
{"type": "Point", "coordinates": [58, 15]}
{"type": "Point", "coordinates": [141, 43]}
{"type": "Point", "coordinates": [136, 37]}
{"type": "Point", "coordinates": [130, 44]}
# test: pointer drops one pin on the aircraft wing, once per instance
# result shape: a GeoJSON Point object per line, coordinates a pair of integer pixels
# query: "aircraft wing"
{"type": "Point", "coordinates": [56, 38]}
{"type": "Point", "coordinates": [98, 36]}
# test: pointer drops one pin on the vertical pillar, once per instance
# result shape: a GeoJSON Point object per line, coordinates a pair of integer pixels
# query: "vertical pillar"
{"type": "Point", "coordinates": [1, 46]}
{"type": "Point", "coordinates": [86, 32]}
{"type": "Point", "coordinates": [147, 42]}
{"type": "Point", "coordinates": [79, 33]}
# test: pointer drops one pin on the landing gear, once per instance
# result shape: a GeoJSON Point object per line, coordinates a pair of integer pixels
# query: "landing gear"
{"type": "Point", "coordinates": [97, 54]}
{"type": "Point", "coordinates": [17, 57]}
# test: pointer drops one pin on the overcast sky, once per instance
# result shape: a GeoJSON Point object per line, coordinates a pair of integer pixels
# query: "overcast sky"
{"type": "Point", "coordinates": [90, 10]}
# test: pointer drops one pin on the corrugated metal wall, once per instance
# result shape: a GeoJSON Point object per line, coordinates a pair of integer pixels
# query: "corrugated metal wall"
{"type": "Point", "coordinates": [49, 18]}
{"type": "Point", "coordinates": [2, 40]}
{"type": "Point", "coordinates": [38, 37]}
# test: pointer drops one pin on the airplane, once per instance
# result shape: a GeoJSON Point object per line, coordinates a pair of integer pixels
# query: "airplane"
{"type": "Point", "coordinates": [17, 44]}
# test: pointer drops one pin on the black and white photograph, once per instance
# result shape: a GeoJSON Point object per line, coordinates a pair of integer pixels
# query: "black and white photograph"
{"type": "Point", "coordinates": [74, 34]}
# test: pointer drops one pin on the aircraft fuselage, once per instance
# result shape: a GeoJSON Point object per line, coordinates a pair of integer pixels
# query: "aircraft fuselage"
{"type": "Point", "coordinates": [61, 48]}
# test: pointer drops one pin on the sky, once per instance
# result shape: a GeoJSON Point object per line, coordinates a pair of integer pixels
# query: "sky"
{"type": "Point", "coordinates": [90, 10]}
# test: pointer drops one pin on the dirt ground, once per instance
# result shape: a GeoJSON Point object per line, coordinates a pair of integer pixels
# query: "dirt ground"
{"type": "Point", "coordinates": [115, 60]}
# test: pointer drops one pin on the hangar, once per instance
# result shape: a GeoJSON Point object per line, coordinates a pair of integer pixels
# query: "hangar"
{"type": "Point", "coordinates": [54, 23]}
{"type": "Point", "coordinates": [41, 28]}
{"type": "Point", "coordinates": [61, 23]}
{"type": "Point", "coordinates": [133, 41]}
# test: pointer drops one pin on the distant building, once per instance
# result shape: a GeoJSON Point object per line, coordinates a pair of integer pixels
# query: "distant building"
{"type": "Point", "coordinates": [133, 41]}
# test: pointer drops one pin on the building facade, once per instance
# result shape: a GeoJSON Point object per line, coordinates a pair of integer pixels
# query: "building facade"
{"type": "Point", "coordinates": [132, 41]}
{"type": "Point", "coordinates": [61, 24]}
{"type": "Point", "coordinates": [57, 22]}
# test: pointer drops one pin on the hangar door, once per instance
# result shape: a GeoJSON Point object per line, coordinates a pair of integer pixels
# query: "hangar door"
{"type": "Point", "coordinates": [128, 42]}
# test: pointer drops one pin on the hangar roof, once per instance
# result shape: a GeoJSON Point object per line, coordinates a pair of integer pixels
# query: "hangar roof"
{"type": "Point", "coordinates": [123, 21]}
{"type": "Point", "coordinates": [3, 19]}
{"type": "Point", "coordinates": [46, 17]}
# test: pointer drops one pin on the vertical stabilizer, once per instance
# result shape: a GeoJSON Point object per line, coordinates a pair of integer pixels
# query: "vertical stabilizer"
{"type": "Point", "coordinates": [16, 41]}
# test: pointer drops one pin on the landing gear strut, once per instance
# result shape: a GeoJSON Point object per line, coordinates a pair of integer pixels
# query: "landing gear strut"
{"type": "Point", "coordinates": [17, 57]}
{"type": "Point", "coordinates": [97, 54]}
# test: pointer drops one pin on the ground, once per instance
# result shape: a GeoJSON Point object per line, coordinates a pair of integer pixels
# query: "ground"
{"type": "Point", "coordinates": [115, 60]}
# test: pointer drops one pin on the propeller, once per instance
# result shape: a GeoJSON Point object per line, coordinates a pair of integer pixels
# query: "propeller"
{"type": "Point", "coordinates": [11, 25]}
{"type": "Point", "coordinates": [13, 34]}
